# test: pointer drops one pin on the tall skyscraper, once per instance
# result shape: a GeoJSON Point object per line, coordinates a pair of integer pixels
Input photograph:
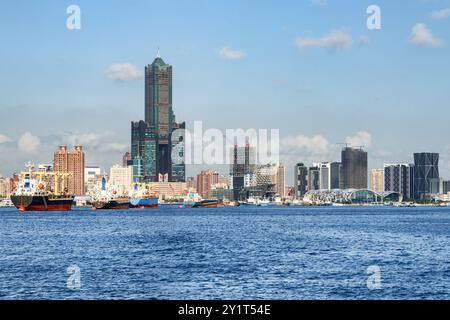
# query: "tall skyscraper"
{"type": "Point", "coordinates": [426, 175]}
{"type": "Point", "coordinates": [399, 178]}
{"type": "Point", "coordinates": [300, 180]}
{"type": "Point", "coordinates": [353, 168]}
{"type": "Point", "coordinates": [72, 162]}
{"type": "Point", "coordinates": [152, 140]}
{"type": "Point", "coordinates": [377, 180]}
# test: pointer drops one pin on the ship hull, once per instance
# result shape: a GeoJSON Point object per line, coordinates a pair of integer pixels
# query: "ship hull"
{"type": "Point", "coordinates": [144, 203]}
{"type": "Point", "coordinates": [42, 203]}
{"type": "Point", "coordinates": [206, 204]}
{"type": "Point", "coordinates": [111, 205]}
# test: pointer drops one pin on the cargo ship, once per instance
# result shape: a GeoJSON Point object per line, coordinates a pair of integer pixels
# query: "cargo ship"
{"type": "Point", "coordinates": [142, 198]}
{"type": "Point", "coordinates": [107, 198]}
{"type": "Point", "coordinates": [32, 193]}
{"type": "Point", "coordinates": [113, 204]}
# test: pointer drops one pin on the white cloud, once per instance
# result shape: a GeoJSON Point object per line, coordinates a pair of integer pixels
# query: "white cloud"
{"type": "Point", "coordinates": [123, 72]}
{"type": "Point", "coordinates": [28, 143]}
{"type": "Point", "coordinates": [422, 36]}
{"type": "Point", "coordinates": [228, 53]}
{"type": "Point", "coordinates": [316, 144]}
{"type": "Point", "coordinates": [4, 138]}
{"type": "Point", "coordinates": [440, 14]}
{"type": "Point", "coordinates": [335, 40]}
{"type": "Point", "coordinates": [362, 138]}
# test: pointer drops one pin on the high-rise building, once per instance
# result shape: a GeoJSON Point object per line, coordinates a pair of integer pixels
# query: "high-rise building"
{"type": "Point", "coordinates": [243, 167]}
{"type": "Point", "coordinates": [72, 162]}
{"type": "Point", "coordinates": [426, 175]}
{"type": "Point", "coordinates": [313, 178]}
{"type": "Point", "coordinates": [205, 180]}
{"type": "Point", "coordinates": [329, 175]}
{"type": "Point", "coordinates": [280, 181]}
{"type": "Point", "coordinates": [300, 180]}
{"type": "Point", "coordinates": [353, 168]}
{"type": "Point", "coordinates": [153, 143]}
{"type": "Point", "coordinates": [399, 178]}
{"type": "Point", "coordinates": [377, 180]}
{"type": "Point", "coordinates": [144, 141]}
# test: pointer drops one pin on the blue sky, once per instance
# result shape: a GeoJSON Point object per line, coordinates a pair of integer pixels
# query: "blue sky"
{"type": "Point", "coordinates": [236, 64]}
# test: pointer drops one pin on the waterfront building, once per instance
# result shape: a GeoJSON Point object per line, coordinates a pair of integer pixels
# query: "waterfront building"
{"type": "Point", "coordinates": [445, 187]}
{"type": "Point", "coordinates": [353, 168]}
{"type": "Point", "coordinates": [399, 178]}
{"type": "Point", "coordinates": [169, 190]}
{"type": "Point", "coordinates": [92, 178]}
{"type": "Point", "coordinates": [300, 180]}
{"type": "Point", "coordinates": [122, 177]}
{"type": "Point", "coordinates": [205, 181]}
{"type": "Point", "coordinates": [222, 193]}
{"type": "Point", "coordinates": [377, 180]}
{"type": "Point", "coordinates": [72, 162]}
{"type": "Point", "coordinates": [5, 187]}
{"type": "Point", "coordinates": [152, 141]}
{"type": "Point", "coordinates": [351, 196]}
{"type": "Point", "coordinates": [426, 175]}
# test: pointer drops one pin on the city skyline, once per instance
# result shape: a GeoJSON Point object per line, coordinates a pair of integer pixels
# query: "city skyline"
{"type": "Point", "coordinates": [87, 95]}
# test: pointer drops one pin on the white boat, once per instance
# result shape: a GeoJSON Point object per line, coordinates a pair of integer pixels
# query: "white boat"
{"type": "Point", "coordinates": [6, 203]}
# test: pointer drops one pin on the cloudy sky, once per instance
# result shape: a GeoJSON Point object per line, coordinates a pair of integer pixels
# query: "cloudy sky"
{"type": "Point", "coordinates": [311, 68]}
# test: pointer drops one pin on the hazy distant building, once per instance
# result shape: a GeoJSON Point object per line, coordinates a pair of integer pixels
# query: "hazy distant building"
{"type": "Point", "coordinates": [353, 168]}
{"type": "Point", "coordinates": [300, 180]}
{"type": "Point", "coordinates": [72, 162]}
{"type": "Point", "coordinates": [426, 175]}
{"type": "Point", "coordinates": [399, 178]}
{"type": "Point", "coordinates": [377, 180]}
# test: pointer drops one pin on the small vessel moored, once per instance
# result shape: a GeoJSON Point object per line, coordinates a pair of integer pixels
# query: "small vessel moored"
{"type": "Point", "coordinates": [206, 204]}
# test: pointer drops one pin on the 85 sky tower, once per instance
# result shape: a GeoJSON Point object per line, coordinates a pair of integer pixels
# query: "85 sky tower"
{"type": "Point", "coordinates": [151, 146]}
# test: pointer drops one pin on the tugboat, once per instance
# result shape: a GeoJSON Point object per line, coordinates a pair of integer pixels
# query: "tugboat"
{"type": "Point", "coordinates": [106, 199]}
{"type": "Point", "coordinates": [33, 195]}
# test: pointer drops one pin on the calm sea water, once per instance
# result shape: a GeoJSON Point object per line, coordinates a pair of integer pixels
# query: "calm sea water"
{"type": "Point", "coordinates": [227, 253]}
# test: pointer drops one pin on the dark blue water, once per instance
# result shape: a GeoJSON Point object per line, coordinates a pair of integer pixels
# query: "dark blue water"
{"type": "Point", "coordinates": [227, 253]}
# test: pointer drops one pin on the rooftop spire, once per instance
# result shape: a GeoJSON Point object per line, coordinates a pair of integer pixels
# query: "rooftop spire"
{"type": "Point", "coordinates": [157, 54]}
